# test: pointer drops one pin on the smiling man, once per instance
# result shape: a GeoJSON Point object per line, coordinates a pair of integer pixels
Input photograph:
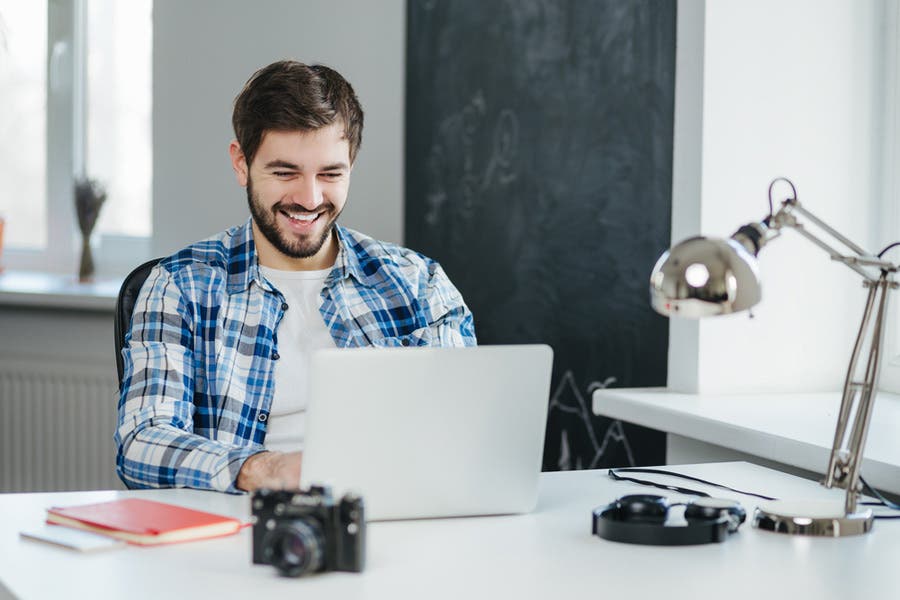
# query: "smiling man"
{"type": "Point", "coordinates": [216, 360]}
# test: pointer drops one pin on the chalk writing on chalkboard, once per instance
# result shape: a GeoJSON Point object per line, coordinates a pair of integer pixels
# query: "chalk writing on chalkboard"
{"type": "Point", "coordinates": [568, 398]}
{"type": "Point", "coordinates": [460, 139]}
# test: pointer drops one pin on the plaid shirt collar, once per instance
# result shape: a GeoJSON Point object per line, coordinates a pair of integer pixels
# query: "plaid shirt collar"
{"type": "Point", "coordinates": [243, 266]}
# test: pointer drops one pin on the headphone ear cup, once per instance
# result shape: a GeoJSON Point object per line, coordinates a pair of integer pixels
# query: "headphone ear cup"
{"type": "Point", "coordinates": [695, 512]}
{"type": "Point", "coordinates": [642, 508]}
{"type": "Point", "coordinates": [714, 509]}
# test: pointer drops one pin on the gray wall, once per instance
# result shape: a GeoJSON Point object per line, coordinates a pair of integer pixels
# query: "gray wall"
{"type": "Point", "coordinates": [204, 52]}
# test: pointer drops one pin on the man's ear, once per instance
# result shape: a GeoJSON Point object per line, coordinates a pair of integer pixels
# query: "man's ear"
{"type": "Point", "coordinates": [239, 163]}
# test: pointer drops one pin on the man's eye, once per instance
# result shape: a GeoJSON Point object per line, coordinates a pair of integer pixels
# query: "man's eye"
{"type": "Point", "coordinates": [331, 175]}
{"type": "Point", "coordinates": [282, 173]}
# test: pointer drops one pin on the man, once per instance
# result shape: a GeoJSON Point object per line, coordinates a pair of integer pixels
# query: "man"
{"type": "Point", "coordinates": [216, 359]}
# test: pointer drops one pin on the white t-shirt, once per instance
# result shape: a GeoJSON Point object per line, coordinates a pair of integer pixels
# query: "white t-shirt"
{"type": "Point", "coordinates": [300, 333]}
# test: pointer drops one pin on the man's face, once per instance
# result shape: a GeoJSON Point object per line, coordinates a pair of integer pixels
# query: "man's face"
{"type": "Point", "coordinates": [297, 186]}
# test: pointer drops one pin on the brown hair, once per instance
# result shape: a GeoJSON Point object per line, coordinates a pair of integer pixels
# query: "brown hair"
{"type": "Point", "coordinates": [291, 96]}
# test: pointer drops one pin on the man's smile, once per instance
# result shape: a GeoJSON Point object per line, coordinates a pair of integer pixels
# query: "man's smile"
{"type": "Point", "coordinates": [301, 221]}
{"type": "Point", "coordinates": [302, 216]}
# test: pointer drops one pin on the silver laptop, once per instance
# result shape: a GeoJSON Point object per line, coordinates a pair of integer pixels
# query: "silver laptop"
{"type": "Point", "coordinates": [429, 432]}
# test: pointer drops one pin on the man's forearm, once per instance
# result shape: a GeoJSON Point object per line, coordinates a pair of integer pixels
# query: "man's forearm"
{"type": "Point", "coordinates": [165, 456]}
{"type": "Point", "coordinates": [272, 470]}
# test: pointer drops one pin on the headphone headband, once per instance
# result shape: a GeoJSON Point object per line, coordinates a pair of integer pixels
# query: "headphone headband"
{"type": "Point", "coordinates": [640, 519]}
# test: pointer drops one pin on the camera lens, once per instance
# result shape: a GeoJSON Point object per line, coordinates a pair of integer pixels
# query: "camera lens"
{"type": "Point", "coordinates": [295, 548]}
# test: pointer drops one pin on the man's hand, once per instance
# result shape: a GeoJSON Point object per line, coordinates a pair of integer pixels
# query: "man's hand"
{"type": "Point", "coordinates": [273, 470]}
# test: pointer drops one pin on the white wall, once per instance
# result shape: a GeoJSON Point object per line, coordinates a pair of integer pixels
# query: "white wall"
{"type": "Point", "coordinates": [787, 89]}
{"type": "Point", "coordinates": [205, 51]}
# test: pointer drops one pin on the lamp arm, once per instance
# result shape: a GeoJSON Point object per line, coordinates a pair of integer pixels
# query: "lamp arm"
{"type": "Point", "coordinates": [859, 258]}
{"type": "Point", "coordinates": [847, 452]}
{"type": "Point", "coordinates": [859, 392]}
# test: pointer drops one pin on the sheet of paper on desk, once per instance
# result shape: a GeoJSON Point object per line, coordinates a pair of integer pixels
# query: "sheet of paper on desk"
{"type": "Point", "coordinates": [74, 539]}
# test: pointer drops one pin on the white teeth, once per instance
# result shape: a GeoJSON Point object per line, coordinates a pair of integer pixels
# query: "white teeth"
{"type": "Point", "coordinates": [303, 217]}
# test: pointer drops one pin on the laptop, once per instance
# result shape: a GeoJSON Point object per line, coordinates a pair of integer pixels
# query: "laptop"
{"type": "Point", "coordinates": [429, 432]}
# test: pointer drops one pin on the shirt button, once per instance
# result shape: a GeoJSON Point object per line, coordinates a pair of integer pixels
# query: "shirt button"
{"type": "Point", "coordinates": [275, 356]}
{"type": "Point", "coordinates": [405, 342]}
{"type": "Point", "coordinates": [263, 417]}
{"type": "Point", "coordinates": [284, 306]}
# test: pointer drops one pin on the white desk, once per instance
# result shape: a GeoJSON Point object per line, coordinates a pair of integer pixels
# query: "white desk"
{"type": "Point", "coordinates": [546, 554]}
{"type": "Point", "coordinates": [792, 429]}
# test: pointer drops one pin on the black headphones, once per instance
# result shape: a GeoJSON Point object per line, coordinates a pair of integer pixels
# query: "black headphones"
{"type": "Point", "coordinates": [641, 519]}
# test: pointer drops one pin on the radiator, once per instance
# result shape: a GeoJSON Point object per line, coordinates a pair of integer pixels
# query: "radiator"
{"type": "Point", "coordinates": [56, 428]}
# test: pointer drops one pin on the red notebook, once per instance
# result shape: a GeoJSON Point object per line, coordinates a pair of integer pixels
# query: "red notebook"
{"type": "Point", "coordinates": [144, 522]}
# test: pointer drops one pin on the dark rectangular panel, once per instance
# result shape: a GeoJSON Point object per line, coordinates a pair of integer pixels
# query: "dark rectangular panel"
{"type": "Point", "coordinates": [539, 173]}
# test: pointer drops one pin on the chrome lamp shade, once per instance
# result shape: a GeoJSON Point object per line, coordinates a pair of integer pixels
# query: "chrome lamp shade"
{"type": "Point", "coordinates": [702, 277]}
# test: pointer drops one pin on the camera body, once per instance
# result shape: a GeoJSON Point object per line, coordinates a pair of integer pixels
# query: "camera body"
{"type": "Point", "coordinates": [303, 532]}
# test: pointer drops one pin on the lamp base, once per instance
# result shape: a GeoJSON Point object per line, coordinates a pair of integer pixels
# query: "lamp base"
{"type": "Point", "coordinates": [810, 517]}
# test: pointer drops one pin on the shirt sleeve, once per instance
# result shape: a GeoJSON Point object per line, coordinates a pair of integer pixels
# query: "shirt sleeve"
{"type": "Point", "coordinates": [451, 323]}
{"type": "Point", "coordinates": [156, 445]}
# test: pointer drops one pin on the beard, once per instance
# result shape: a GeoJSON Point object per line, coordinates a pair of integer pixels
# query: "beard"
{"type": "Point", "coordinates": [286, 243]}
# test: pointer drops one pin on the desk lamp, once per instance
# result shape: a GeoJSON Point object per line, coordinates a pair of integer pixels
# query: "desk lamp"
{"type": "Point", "coordinates": [703, 276]}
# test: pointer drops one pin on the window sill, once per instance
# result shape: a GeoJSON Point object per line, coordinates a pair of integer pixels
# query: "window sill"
{"type": "Point", "coordinates": [794, 429]}
{"type": "Point", "coordinates": [52, 290]}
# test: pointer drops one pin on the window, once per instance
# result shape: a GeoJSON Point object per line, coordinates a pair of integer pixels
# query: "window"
{"type": "Point", "coordinates": [890, 209]}
{"type": "Point", "coordinates": [75, 95]}
{"type": "Point", "coordinates": [119, 89]}
{"type": "Point", "coordinates": [23, 81]}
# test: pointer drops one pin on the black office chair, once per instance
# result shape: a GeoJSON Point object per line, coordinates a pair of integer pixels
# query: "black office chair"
{"type": "Point", "coordinates": [125, 306]}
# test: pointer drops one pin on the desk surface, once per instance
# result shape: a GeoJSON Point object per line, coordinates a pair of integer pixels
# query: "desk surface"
{"type": "Point", "coordinates": [793, 429]}
{"type": "Point", "coordinates": [549, 553]}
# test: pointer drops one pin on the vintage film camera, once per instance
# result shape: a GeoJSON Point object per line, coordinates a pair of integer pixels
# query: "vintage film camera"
{"type": "Point", "coordinates": [303, 532]}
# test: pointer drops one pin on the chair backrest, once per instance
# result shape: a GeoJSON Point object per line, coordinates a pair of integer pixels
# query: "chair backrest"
{"type": "Point", "coordinates": [125, 306]}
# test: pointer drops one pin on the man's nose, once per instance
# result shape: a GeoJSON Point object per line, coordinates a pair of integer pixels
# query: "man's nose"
{"type": "Point", "coordinates": [307, 193]}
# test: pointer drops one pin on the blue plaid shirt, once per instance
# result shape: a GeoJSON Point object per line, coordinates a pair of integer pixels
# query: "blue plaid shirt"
{"type": "Point", "coordinates": [200, 354]}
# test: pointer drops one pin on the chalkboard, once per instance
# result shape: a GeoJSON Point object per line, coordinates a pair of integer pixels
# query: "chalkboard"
{"type": "Point", "coordinates": [538, 172]}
